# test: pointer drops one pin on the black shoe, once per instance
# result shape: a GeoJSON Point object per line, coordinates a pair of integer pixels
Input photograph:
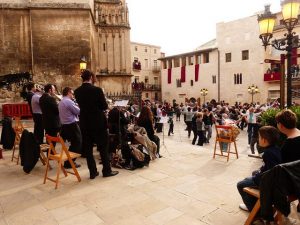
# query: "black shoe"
{"type": "Point", "coordinates": [68, 166]}
{"type": "Point", "coordinates": [92, 176]}
{"type": "Point", "coordinates": [112, 173]}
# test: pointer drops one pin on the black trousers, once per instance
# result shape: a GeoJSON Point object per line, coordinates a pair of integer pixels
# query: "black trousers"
{"type": "Point", "coordinates": [38, 130]}
{"type": "Point", "coordinates": [71, 132]}
{"type": "Point", "coordinates": [89, 137]}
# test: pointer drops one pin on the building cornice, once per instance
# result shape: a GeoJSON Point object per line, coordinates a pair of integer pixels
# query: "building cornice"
{"type": "Point", "coordinates": [188, 53]}
{"type": "Point", "coordinates": [31, 5]}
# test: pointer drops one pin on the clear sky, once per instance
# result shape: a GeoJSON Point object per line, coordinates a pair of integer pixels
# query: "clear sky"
{"type": "Point", "coordinates": [179, 26]}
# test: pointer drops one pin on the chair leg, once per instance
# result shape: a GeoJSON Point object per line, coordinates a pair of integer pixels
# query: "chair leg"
{"type": "Point", "coordinates": [228, 151]}
{"type": "Point", "coordinates": [253, 213]}
{"type": "Point", "coordinates": [237, 154]}
{"type": "Point", "coordinates": [47, 168]}
{"type": "Point", "coordinates": [75, 170]}
{"type": "Point", "coordinates": [57, 174]}
{"type": "Point", "coordinates": [215, 150]}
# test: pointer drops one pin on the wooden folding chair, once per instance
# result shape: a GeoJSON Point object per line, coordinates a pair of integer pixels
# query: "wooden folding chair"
{"type": "Point", "coordinates": [60, 157]}
{"type": "Point", "coordinates": [18, 128]}
{"type": "Point", "coordinates": [254, 192]}
{"type": "Point", "coordinates": [278, 218]}
{"type": "Point", "coordinates": [225, 136]}
{"type": "Point", "coordinates": [43, 150]}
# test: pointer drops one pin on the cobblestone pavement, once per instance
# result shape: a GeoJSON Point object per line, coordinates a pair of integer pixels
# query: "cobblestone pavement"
{"type": "Point", "coordinates": [186, 186]}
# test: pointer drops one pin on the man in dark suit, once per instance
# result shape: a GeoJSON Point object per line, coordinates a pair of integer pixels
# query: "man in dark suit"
{"type": "Point", "coordinates": [30, 93]}
{"type": "Point", "coordinates": [50, 111]}
{"type": "Point", "coordinates": [93, 123]}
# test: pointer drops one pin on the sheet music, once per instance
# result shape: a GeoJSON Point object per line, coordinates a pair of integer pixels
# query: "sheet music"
{"type": "Point", "coordinates": [121, 103]}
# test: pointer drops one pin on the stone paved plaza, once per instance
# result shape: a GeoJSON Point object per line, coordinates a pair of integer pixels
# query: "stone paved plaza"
{"type": "Point", "coordinates": [186, 186]}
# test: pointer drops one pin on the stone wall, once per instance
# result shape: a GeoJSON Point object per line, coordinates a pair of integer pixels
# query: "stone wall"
{"type": "Point", "coordinates": [60, 38]}
{"type": "Point", "coordinates": [49, 37]}
{"type": "Point", "coordinates": [14, 41]}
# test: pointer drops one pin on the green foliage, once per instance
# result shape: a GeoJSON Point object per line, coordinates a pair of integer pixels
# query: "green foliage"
{"type": "Point", "coordinates": [268, 117]}
{"type": "Point", "coordinates": [296, 110]}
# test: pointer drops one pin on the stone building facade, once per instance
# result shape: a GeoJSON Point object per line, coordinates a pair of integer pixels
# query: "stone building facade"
{"type": "Point", "coordinates": [227, 66]}
{"type": "Point", "coordinates": [49, 37]}
{"type": "Point", "coordinates": [146, 70]}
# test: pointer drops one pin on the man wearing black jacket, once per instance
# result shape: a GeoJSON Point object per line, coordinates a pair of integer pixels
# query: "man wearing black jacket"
{"type": "Point", "coordinates": [50, 111]}
{"type": "Point", "coordinates": [93, 123]}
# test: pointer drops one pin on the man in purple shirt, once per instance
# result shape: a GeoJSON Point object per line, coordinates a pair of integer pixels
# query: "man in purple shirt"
{"type": "Point", "coordinates": [38, 130]}
{"type": "Point", "coordinates": [68, 115]}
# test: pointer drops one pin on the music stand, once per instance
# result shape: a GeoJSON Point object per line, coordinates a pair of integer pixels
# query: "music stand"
{"type": "Point", "coordinates": [164, 120]}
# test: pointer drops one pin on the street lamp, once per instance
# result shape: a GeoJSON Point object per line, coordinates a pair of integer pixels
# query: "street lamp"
{"type": "Point", "coordinates": [204, 92]}
{"type": "Point", "coordinates": [83, 63]}
{"type": "Point", "coordinates": [266, 21]}
{"type": "Point", "coordinates": [253, 90]}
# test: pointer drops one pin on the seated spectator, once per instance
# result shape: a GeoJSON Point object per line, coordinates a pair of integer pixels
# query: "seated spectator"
{"type": "Point", "coordinates": [286, 123]}
{"type": "Point", "coordinates": [146, 120]}
{"type": "Point", "coordinates": [268, 136]}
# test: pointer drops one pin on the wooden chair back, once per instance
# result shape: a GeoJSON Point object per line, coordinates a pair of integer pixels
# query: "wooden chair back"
{"type": "Point", "coordinates": [18, 128]}
{"type": "Point", "coordinates": [225, 136]}
{"type": "Point", "coordinates": [278, 217]}
{"type": "Point", "coordinates": [60, 157]}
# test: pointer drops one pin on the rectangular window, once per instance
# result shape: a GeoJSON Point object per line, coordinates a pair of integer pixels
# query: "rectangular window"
{"type": "Point", "coordinates": [147, 95]}
{"type": "Point", "coordinates": [214, 79]}
{"type": "Point", "coordinates": [146, 63]}
{"type": "Point", "coordinates": [156, 96]}
{"type": "Point", "coordinates": [156, 80]}
{"type": "Point", "coordinates": [104, 47]}
{"type": "Point", "coordinates": [146, 50]}
{"type": "Point", "coordinates": [155, 63]}
{"type": "Point", "coordinates": [164, 64]}
{"type": "Point", "coordinates": [136, 79]}
{"type": "Point", "coordinates": [183, 61]}
{"type": "Point", "coordinates": [245, 54]}
{"type": "Point", "coordinates": [170, 65]}
{"type": "Point", "coordinates": [227, 57]}
{"type": "Point", "coordinates": [238, 78]}
{"type": "Point", "coordinates": [191, 60]}
{"type": "Point", "coordinates": [146, 80]}
{"type": "Point", "coordinates": [192, 83]}
{"type": "Point", "coordinates": [198, 59]}
{"type": "Point", "coordinates": [135, 48]}
{"type": "Point", "coordinates": [178, 82]}
{"type": "Point", "coordinates": [206, 57]}
{"type": "Point", "coordinates": [154, 51]}
{"type": "Point", "coordinates": [176, 62]}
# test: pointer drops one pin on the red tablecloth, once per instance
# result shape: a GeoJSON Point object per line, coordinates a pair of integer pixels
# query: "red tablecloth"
{"type": "Point", "coordinates": [16, 109]}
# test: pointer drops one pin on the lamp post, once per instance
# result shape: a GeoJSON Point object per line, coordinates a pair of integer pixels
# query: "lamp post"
{"type": "Point", "coordinates": [253, 90]}
{"type": "Point", "coordinates": [266, 21]}
{"type": "Point", "coordinates": [204, 92]}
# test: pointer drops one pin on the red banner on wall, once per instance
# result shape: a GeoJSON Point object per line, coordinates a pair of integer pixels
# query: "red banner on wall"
{"type": "Point", "coordinates": [169, 75]}
{"type": "Point", "coordinates": [182, 74]}
{"type": "Point", "coordinates": [196, 72]}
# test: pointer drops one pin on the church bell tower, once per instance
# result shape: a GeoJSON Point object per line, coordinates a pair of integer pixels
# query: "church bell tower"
{"type": "Point", "coordinates": [113, 68]}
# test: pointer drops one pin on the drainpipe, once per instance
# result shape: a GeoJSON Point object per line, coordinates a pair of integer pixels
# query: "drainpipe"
{"type": "Point", "coordinates": [219, 76]}
{"type": "Point", "coordinates": [31, 40]}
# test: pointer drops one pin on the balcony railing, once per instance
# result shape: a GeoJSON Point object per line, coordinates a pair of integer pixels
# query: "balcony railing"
{"type": "Point", "coordinates": [296, 93]}
{"type": "Point", "coordinates": [145, 87]}
{"type": "Point", "coordinates": [155, 69]}
{"type": "Point", "coordinates": [272, 76]}
{"type": "Point", "coordinates": [136, 65]}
